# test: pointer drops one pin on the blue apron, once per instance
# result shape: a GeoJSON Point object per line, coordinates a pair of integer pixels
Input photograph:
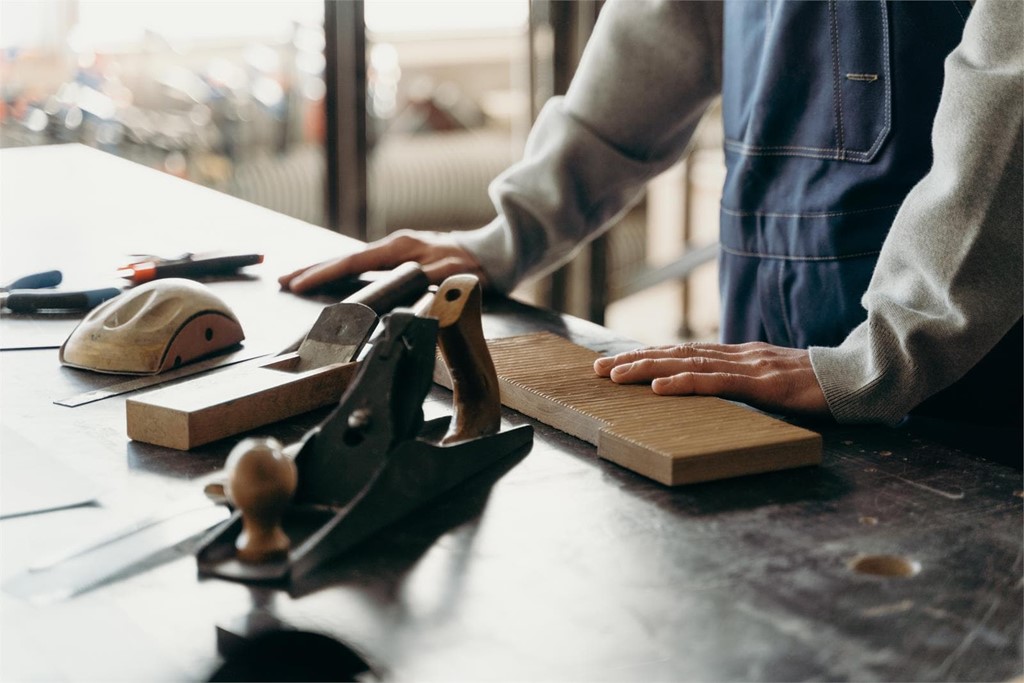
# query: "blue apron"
{"type": "Point", "coordinates": [828, 110]}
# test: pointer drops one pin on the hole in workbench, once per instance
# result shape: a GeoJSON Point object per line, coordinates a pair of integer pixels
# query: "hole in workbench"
{"type": "Point", "coordinates": [452, 294]}
{"type": "Point", "coordinates": [885, 565]}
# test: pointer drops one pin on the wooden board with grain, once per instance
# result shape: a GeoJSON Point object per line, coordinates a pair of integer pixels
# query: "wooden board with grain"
{"type": "Point", "coordinates": [212, 407]}
{"type": "Point", "coordinates": [671, 439]}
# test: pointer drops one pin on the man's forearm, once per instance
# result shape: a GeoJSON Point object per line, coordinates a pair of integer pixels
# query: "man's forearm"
{"type": "Point", "coordinates": [647, 75]}
{"type": "Point", "coordinates": [948, 282]}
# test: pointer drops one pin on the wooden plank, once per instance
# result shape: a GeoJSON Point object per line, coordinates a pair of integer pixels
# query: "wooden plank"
{"type": "Point", "coordinates": [212, 407]}
{"type": "Point", "coordinates": [671, 439]}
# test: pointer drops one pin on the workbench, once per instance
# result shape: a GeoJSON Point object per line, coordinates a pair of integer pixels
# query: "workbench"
{"type": "Point", "coordinates": [554, 566]}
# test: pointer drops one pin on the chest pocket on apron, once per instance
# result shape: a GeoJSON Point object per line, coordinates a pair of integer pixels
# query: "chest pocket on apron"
{"type": "Point", "coordinates": [836, 78]}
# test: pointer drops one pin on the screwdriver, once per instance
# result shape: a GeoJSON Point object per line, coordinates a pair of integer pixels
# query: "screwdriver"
{"type": "Point", "coordinates": [30, 294]}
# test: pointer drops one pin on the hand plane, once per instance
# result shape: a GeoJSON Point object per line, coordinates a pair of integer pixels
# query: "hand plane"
{"type": "Point", "coordinates": [373, 459]}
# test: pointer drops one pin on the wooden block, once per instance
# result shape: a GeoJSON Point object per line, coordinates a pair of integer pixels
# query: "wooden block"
{"type": "Point", "coordinates": [223, 404]}
{"type": "Point", "coordinates": [671, 439]}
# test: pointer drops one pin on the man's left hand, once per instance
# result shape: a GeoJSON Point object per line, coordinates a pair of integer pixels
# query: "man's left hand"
{"type": "Point", "coordinates": [772, 378]}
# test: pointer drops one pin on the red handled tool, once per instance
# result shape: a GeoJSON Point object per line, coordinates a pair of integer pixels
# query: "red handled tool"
{"type": "Point", "coordinates": [191, 267]}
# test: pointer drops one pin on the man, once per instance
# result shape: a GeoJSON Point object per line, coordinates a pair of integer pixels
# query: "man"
{"type": "Point", "coordinates": [871, 215]}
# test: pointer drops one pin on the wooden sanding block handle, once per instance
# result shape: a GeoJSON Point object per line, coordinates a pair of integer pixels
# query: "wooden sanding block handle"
{"type": "Point", "coordinates": [477, 403]}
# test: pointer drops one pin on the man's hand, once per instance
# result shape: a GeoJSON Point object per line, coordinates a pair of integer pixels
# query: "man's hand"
{"type": "Point", "coordinates": [436, 252]}
{"type": "Point", "coordinates": [769, 377]}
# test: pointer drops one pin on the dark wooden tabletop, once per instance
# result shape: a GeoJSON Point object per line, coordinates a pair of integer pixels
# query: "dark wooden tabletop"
{"type": "Point", "coordinates": [555, 565]}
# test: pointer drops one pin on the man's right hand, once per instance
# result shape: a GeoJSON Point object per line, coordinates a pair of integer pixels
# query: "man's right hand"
{"type": "Point", "coordinates": [436, 252]}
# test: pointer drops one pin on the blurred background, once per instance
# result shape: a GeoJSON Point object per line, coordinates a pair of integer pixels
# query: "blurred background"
{"type": "Point", "coordinates": [361, 116]}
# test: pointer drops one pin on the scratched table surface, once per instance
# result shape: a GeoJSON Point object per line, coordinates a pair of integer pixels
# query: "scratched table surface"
{"type": "Point", "coordinates": [555, 565]}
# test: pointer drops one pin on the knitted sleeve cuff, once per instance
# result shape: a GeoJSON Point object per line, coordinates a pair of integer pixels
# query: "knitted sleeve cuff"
{"type": "Point", "coordinates": [494, 249]}
{"type": "Point", "coordinates": [855, 383]}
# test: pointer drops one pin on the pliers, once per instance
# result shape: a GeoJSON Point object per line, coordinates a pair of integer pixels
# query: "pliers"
{"type": "Point", "coordinates": [23, 296]}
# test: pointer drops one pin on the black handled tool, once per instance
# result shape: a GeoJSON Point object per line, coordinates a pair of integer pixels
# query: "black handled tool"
{"type": "Point", "coordinates": [33, 293]}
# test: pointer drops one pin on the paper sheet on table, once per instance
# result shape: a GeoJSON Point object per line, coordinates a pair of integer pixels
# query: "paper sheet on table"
{"type": "Point", "coordinates": [36, 331]}
{"type": "Point", "coordinates": [32, 481]}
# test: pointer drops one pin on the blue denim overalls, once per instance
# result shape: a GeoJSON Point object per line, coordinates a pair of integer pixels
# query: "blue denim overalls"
{"type": "Point", "coordinates": [828, 110]}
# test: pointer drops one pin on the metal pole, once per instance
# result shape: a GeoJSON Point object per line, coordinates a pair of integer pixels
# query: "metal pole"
{"type": "Point", "coordinates": [345, 111]}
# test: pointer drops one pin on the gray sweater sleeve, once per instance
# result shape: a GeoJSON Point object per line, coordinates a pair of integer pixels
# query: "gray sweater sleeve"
{"type": "Point", "coordinates": [648, 73]}
{"type": "Point", "coordinates": [948, 282]}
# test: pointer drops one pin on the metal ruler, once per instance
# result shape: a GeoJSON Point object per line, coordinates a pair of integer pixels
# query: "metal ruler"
{"type": "Point", "coordinates": [154, 380]}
